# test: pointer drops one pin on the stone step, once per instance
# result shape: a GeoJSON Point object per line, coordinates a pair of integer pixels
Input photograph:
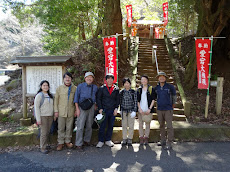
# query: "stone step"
{"type": "Point", "coordinates": [145, 58]}
{"type": "Point", "coordinates": [154, 83]}
{"type": "Point", "coordinates": [148, 65]}
{"type": "Point", "coordinates": [175, 118]}
{"type": "Point", "coordinates": [142, 71]}
{"type": "Point", "coordinates": [183, 131]}
{"type": "Point", "coordinates": [153, 76]}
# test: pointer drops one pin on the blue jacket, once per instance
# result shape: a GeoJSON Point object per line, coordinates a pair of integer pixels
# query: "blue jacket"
{"type": "Point", "coordinates": [166, 96]}
{"type": "Point", "coordinates": [84, 92]}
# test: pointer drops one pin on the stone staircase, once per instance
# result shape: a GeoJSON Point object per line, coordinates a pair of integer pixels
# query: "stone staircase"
{"type": "Point", "coordinates": [146, 67]}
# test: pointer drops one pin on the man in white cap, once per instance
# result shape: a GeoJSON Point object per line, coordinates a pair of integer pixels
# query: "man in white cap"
{"type": "Point", "coordinates": [166, 99]}
{"type": "Point", "coordinates": [84, 99]}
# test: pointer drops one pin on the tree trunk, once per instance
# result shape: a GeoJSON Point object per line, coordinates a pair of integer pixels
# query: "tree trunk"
{"type": "Point", "coordinates": [213, 20]}
{"type": "Point", "coordinates": [112, 24]}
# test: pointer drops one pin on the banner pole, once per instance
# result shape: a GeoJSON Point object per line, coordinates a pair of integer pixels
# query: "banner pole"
{"type": "Point", "coordinates": [117, 54]}
{"type": "Point", "coordinates": [209, 78]}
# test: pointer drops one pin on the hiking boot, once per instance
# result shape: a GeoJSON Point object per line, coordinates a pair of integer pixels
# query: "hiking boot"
{"type": "Point", "coordinates": [100, 144]}
{"type": "Point", "coordinates": [168, 147]}
{"type": "Point", "coordinates": [79, 148]}
{"type": "Point", "coordinates": [69, 145]}
{"type": "Point", "coordinates": [87, 144]}
{"type": "Point", "coordinates": [44, 151]}
{"type": "Point", "coordinates": [109, 143]}
{"type": "Point", "coordinates": [59, 147]}
{"type": "Point", "coordinates": [129, 142]}
{"type": "Point", "coordinates": [146, 140]}
{"type": "Point", "coordinates": [141, 140]}
{"type": "Point", "coordinates": [48, 147]}
{"type": "Point", "coordinates": [124, 142]}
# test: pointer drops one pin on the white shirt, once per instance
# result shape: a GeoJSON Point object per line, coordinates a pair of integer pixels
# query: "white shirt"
{"type": "Point", "coordinates": [144, 101]}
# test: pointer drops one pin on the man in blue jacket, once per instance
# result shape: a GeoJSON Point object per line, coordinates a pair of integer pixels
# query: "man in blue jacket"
{"type": "Point", "coordinates": [85, 91]}
{"type": "Point", "coordinates": [166, 98]}
{"type": "Point", "coordinates": [107, 101]}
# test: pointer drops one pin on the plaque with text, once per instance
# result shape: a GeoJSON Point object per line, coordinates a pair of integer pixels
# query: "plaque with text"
{"type": "Point", "coordinates": [35, 74]}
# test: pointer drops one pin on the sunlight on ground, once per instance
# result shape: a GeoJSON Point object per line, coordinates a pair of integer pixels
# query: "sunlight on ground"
{"type": "Point", "coordinates": [111, 168]}
{"type": "Point", "coordinates": [136, 167]}
{"type": "Point", "coordinates": [157, 168]}
{"type": "Point", "coordinates": [213, 157]}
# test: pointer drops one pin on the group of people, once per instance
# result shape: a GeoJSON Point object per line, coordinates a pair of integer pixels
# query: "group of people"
{"type": "Point", "coordinates": [80, 103]}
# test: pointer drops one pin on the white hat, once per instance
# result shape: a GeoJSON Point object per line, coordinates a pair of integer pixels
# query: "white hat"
{"type": "Point", "coordinates": [89, 74]}
{"type": "Point", "coordinates": [161, 74]}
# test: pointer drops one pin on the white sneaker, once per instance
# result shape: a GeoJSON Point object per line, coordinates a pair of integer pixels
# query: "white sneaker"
{"type": "Point", "coordinates": [109, 143]}
{"type": "Point", "coordinates": [100, 144]}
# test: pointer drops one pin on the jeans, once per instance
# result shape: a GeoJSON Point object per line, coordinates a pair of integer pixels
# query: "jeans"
{"type": "Point", "coordinates": [109, 121]}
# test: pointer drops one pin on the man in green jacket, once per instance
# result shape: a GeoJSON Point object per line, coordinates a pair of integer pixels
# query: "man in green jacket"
{"type": "Point", "coordinates": [64, 110]}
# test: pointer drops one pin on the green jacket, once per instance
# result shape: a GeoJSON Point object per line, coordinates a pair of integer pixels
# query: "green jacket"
{"type": "Point", "coordinates": [62, 105]}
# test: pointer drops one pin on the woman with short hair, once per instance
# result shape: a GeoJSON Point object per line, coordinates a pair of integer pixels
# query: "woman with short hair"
{"type": "Point", "coordinates": [128, 106]}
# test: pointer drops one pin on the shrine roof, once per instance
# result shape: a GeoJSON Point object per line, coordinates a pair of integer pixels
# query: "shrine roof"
{"type": "Point", "coordinates": [152, 22]}
{"type": "Point", "coordinates": [24, 60]}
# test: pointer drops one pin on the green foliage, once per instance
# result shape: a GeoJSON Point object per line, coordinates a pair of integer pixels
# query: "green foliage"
{"type": "Point", "coordinates": [183, 19]}
{"type": "Point", "coordinates": [151, 10]}
{"type": "Point", "coordinates": [88, 56]}
{"type": "Point", "coordinates": [6, 119]}
{"type": "Point", "coordinates": [64, 21]}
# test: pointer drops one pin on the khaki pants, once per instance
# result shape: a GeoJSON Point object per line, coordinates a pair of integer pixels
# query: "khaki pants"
{"type": "Point", "coordinates": [46, 122]}
{"type": "Point", "coordinates": [166, 115]}
{"type": "Point", "coordinates": [65, 128]}
{"type": "Point", "coordinates": [127, 121]}
{"type": "Point", "coordinates": [84, 120]}
{"type": "Point", "coordinates": [141, 129]}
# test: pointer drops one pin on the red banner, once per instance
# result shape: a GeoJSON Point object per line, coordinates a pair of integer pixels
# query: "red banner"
{"type": "Point", "coordinates": [165, 18]}
{"type": "Point", "coordinates": [129, 15]}
{"type": "Point", "coordinates": [110, 56]}
{"type": "Point", "coordinates": [165, 6]}
{"type": "Point", "coordinates": [157, 30]}
{"type": "Point", "coordinates": [203, 58]}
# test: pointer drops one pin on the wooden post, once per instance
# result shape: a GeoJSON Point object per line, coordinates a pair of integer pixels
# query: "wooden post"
{"type": "Point", "coordinates": [151, 32]}
{"type": "Point", "coordinates": [63, 71]}
{"type": "Point", "coordinates": [219, 94]}
{"type": "Point", "coordinates": [127, 43]}
{"type": "Point", "coordinates": [206, 106]}
{"type": "Point", "coordinates": [25, 121]}
{"type": "Point", "coordinates": [24, 99]}
{"type": "Point", "coordinates": [179, 49]}
{"type": "Point", "coordinates": [187, 108]}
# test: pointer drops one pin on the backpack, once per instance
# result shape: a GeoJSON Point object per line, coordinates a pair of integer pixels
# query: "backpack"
{"type": "Point", "coordinates": [41, 103]}
{"type": "Point", "coordinates": [149, 89]}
